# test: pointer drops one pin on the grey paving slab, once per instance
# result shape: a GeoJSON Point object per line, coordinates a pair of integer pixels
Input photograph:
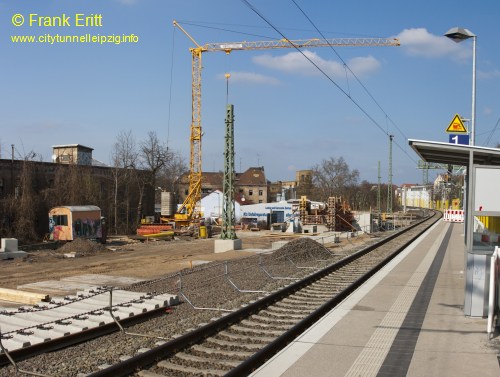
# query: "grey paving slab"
{"type": "Point", "coordinates": [55, 287]}
{"type": "Point", "coordinates": [100, 280]}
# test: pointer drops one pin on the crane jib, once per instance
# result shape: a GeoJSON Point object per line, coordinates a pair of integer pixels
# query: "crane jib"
{"type": "Point", "coordinates": [285, 43]}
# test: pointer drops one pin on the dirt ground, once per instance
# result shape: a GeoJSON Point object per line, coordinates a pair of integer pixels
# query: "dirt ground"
{"type": "Point", "coordinates": [128, 258]}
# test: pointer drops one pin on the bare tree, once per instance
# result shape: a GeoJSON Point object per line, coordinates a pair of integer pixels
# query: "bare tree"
{"type": "Point", "coordinates": [73, 185]}
{"type": "Point", "coordinates": [333, 177]}
{"type": "Point", "coordinates": [21, 208]}
{"type": "Point", "coordinates": [26, 205]}
{"type": "Point", "coordinates": [124, 157]}
{"type": "Point", "coordinates": [171, 173]}
{"type": "Point", "coordinates": [364, 196]}
{"type": "Point", "coordinates": [154, 157]}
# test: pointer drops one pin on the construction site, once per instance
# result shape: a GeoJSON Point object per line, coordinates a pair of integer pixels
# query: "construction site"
{"type": "Point", "coordinates": [220, 211]}
{"type": "Point", "coordinates": [205, 226]}
{"type": "Point", "coordinates": [193, 218]}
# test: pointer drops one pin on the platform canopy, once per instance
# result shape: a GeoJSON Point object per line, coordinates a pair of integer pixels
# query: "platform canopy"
{"type": "Point", "coordinates": [454, 154]}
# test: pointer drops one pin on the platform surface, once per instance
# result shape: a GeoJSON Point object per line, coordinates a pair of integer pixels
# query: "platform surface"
{"type": "Point", "coordinates": [408, 320]}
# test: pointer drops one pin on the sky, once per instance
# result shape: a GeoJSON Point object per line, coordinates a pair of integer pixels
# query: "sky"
{"type": "Point", "coordinates": [290, 114]}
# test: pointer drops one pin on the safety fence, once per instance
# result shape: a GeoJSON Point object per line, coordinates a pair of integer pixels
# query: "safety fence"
{"type": "Point", "coordinates": [454, 215]}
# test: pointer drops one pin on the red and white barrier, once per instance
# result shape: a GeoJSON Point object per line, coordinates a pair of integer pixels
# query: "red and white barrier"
{"type": "Point", "coordinates": [454, 215]}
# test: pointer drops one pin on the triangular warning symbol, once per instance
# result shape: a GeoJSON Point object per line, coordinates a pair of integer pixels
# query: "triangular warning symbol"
{"type": "Point", "coordinates": [456, 126]}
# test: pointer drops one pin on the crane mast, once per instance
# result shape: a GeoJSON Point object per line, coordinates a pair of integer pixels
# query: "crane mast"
{"type": "Point", "coordinates": [188, 208]}
{"type": "Point", "coordinates": [188, 211]}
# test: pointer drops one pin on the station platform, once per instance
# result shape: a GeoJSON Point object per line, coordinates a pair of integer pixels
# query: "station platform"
{"type": "Point", "coordinates": [407, 320]}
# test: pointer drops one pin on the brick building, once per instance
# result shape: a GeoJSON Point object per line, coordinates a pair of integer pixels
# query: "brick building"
{"type": "Point", "coordinates": [75, 171]}
{"type": "Point", "coordinates": [250, 186]}
{"type": "Point", "coordinates": [285, 190]}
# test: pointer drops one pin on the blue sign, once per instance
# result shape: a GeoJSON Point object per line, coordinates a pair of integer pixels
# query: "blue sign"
{"type": "Point", "coordinates": [459, 139]}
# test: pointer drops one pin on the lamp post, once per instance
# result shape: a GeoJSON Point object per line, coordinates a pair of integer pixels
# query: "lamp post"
{"type": "Point", "coordinates": [457, 35]}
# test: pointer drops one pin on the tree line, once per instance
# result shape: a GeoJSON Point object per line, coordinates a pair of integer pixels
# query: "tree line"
{"type": "Point", "coordinates": [136, 167]}
{"type": "Point", "coordinates": [334, 178]}
{"type": "Point", "coordinates": [119, 191]}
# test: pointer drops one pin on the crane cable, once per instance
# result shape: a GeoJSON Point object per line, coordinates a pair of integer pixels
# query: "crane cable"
{"type": "Point", "coordinates": [171, 85]}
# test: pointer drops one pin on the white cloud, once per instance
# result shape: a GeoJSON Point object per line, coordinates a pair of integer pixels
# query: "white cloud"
{"type": "Point", "coordinates": [488, 74]}
{"type": "Point", "coordinates": [127, 2]}
{"type": "Point", "coordinates": [363, 65]}
{"type": "Point", "coordinates": [419, 42]}
{"type": "Point", "coordinates": [295, 62]}
{"type": "Point", "coordinates": [250, 78]}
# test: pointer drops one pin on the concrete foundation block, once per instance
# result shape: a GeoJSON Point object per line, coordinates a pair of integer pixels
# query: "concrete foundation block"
{"type": "Point", "coordinates": [9, 249]}
{"type": "Point", "coordinates": [222, 246]}
{"type": "Point", "coordinates": [9, 244]}
{"type": "Point", "coordinates": [12, 254]}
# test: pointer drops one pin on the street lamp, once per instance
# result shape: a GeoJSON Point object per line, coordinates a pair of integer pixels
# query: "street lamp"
{"type": "Point", "coordinates": [457, 35]}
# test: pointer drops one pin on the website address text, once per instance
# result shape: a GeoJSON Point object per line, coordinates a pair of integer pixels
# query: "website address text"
{"type": "Point", "coordinates": [85, 38]}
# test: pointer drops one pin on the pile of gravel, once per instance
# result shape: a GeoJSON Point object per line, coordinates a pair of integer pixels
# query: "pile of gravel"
{"type": "Point", "coordinates": [302, 249]}
{"type": "Point", "coordinates": [218, 283]}
{"type": "Point", "coordinates": [82, 247]}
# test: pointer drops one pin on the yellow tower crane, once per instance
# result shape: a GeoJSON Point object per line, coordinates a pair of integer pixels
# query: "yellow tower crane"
{"type": "Point", "coordinates": [187, 211]}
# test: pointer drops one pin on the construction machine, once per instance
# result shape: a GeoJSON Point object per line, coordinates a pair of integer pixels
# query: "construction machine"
{"type": "Point", "coordinates": [189, 211]}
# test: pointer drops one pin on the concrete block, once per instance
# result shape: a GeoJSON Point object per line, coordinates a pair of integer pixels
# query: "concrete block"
{"type": "Point", "coordinates": [71, 255]}
{"type": "Point", "coordinates": [221, 246]}
{"type": "Point", "coordinates": [14, 344]}
{"type": "Point", "coordinates": [326, 238]}
{"type": "Point", "coordinates": [12, 254]}
{"type": "Point", "coordinates": [9, 244]}
{"type": "Point", "coordinates": [9, 249]}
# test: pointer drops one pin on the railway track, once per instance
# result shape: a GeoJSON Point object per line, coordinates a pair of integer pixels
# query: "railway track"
{"type": "Point", "coordinates": [239, 341]}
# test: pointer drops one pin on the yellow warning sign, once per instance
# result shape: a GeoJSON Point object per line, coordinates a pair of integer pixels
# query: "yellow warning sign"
{"type": "Point", "coordinates": [456, 126]}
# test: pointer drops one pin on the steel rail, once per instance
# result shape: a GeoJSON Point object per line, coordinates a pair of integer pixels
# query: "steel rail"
{"type": "Point", "coordinates": [184, 341]}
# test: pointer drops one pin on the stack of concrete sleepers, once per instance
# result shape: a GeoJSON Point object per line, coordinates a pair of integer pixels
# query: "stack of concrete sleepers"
{"type": "Point", "coordinates": [27, 326]}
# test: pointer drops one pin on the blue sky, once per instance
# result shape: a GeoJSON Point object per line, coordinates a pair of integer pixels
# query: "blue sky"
{"type": "Point", "coordinates": [288, 115]}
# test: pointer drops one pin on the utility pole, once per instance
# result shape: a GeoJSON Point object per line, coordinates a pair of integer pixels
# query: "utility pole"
{"type": "Point", "coordinates": [12, 171]}
{"type": "Point", "coordinates": [425, 174]}
{"type": "Point", "coordinates": [389, 183]}
{"type": "Point", "coordinates": [227, 232]}
{"type": "Point", "coordinates": [379, 208]}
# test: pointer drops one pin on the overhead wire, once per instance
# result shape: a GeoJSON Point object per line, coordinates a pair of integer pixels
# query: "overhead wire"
{"type": "Point", "coordinates": [204, 24]}
{"type": "Point", "coordinates": [226, 30]}
{"type": "Point", "coordinates": [352, 73]}
{"type": "Point", "coordinates": [256, 11]}
{"type": "Point", "coordinates": [491, 133]}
